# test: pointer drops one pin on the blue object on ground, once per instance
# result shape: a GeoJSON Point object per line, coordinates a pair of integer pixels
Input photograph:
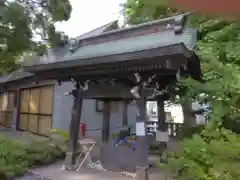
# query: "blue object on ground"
{"type": "Point", "coordinates": [134, 144]}
{"type": "Point", "coordinates": [120, 141]}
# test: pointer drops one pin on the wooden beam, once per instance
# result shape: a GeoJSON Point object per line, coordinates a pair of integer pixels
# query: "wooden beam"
{"type": "Point", "coordinates": [117, 91]}
{"type": "Point", "coordinates": [157, 56]}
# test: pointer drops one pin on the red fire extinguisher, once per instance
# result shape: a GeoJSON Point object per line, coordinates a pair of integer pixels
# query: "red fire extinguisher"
{"type": "Point", "coordinates": [83, 129]}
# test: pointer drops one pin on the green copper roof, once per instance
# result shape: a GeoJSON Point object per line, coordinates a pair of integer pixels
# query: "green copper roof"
{"type": "Point", "coordinates": [15, 75]}
{"type": "Point", "coordinates": [133, 44]}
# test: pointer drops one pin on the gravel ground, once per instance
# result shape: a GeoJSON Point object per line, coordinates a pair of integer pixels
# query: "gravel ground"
{"type": "Point", "coordinates": [31, 176]}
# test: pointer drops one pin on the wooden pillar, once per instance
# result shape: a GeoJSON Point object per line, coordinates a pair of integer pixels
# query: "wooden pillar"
{"type": "Point", "coordinates": [162, 134]}
{"type": "Point", "coordinates": [74, 129]}
{"type": "Point", "coordinates": [125, 113]}
{"type": "Point", "coordinates": [142, 141]}
{"type": "Point", "coordinates": [106, 121]}
{"type": "Point", "coordinates": [15, 114]}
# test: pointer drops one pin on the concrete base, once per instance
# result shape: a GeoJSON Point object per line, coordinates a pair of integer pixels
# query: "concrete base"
{"type": "Point", "coordinates": [142, 173]}
{"type": "Point", "coordinates": [162, 136]}
{"type": "Point", "coordinates": [69, 161]}
{"type": "Point", "coordinates": [14, 119]}
{"type": "Point", "coordinates": [14, 128]}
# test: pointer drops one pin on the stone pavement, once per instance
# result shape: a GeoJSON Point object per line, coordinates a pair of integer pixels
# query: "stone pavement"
{"type": "Point", "coordinates": [55, 172]}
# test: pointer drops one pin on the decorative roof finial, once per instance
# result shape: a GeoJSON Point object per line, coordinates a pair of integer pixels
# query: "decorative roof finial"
{"type": "Point", "coordinates": [179, 24]}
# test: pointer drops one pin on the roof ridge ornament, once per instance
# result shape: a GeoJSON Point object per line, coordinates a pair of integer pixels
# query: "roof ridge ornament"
{"type": "Point", "coordinates": [179, 23]}
{"type": "Point", "coordinates": [73, 45]}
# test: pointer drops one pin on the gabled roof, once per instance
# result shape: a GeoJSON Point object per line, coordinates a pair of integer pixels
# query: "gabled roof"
{"type": "Point", "coordinates": [134, 44]}
{"type": "Point", "coordinates": [97, 31]}
{"type": "Point", "coordinates": [15, 75]}
{"type": "Point", "coordinates": [163, 37]}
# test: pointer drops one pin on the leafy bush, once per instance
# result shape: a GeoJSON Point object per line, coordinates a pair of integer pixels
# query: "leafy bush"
{"type": "Point", "coordinates": [61, 133]}
{"type": "Point", "coordinates": [123, 133]}
{"type": "Point", "coordinates": [11, 153]}
{"type": "Point", "coordinates": [17, 156]}
{"type": "Point", "coordinates": [207, 159]}
{"type": "Point", "coordinates": [188, 132]}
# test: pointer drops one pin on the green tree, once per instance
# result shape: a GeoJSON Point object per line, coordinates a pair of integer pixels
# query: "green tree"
{"type": "Point", "coordinates": [23, 20]}
{"type": "Point", "coordinates": [139, 11]}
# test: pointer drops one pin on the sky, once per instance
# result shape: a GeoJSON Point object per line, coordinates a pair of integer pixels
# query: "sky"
{"type": "Point", "coordinates": [88, 15]}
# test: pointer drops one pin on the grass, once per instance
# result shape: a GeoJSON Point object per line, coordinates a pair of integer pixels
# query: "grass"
{"type": "Point", "coordinates": [17, 156]}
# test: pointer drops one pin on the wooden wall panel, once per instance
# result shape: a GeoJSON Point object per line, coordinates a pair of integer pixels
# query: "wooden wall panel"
{"type": "Point", "coordinates": [5, 102]}
{"type": "Point", "coordinates": [24, 101]}
{"type": "Point", "coordinates": [10, 105]}
{"type": "Point", "coordinates": [34, 98]}
{"type": "Point", "coordinates": [33, 123]}
{"type": "Point", "coordinates": [8, 121]}
{"type": "Point", "coordinates": [45, 124]}
{"type": "Point", "coordinates": [1, 102]}
{"type": "Point", "coordinates": [36, 109]}
{"type": "Point", "coordinates": [2, 118]}
{"type": "Point", "coordinates": [6, 109]}
{"type": "Point", "coordinates": [46, 104]}
{"type": "Point", "coordinates": [23, 122]}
